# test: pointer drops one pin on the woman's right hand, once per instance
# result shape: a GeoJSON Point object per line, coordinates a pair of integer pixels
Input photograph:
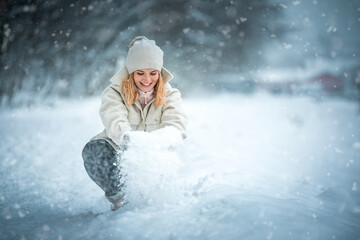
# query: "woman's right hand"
{"type": "Point", "coordinates": [124, 141]}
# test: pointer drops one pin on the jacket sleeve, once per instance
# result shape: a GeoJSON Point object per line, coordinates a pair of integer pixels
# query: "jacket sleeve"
{"type": "Point", "coordinates": [114, 114]}
{"type": "Point", "coordinates": [173, 113]}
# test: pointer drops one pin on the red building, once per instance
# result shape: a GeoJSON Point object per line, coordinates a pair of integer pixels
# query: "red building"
{"type": "Point", "coordinates": [329, 82]}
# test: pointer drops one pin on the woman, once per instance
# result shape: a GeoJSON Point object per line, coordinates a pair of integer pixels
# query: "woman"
{"type": "Point", "coordinates": [139, 98]}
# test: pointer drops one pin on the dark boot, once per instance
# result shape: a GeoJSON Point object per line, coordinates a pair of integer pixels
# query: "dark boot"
{"type": "Point", "coordinates": [101, 162]}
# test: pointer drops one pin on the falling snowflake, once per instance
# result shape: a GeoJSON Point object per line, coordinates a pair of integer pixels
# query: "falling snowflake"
{"type": "Point", "coordinates": [186, 30]}
{"type": "Point", "coordinates": [287, 46]}
{"type": "Point", "coordinates": [243, 19]}
{"type": "Point", "coordinates": [356, 145]}
{"type": "Point", "coordinates": [332, 29]}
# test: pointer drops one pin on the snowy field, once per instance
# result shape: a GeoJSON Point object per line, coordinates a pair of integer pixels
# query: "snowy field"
{"type": "Point", "coordinates": [252, 167]}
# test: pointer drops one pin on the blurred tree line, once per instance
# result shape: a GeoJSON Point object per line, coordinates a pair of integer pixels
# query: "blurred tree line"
{"type": "Point", "coordinates": [71, 48]}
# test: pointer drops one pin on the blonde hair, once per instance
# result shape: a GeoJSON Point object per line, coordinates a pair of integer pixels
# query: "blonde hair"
{"type": "Point", "coordinates": [128, 88]}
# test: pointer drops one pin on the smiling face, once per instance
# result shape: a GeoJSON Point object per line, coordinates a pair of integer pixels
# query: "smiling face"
{"type": "Point", "coordinates": [146, 79]}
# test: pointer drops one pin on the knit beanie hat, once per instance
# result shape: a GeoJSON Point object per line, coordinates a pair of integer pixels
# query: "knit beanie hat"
{"type": "Point", "coordinates": [144, 53]}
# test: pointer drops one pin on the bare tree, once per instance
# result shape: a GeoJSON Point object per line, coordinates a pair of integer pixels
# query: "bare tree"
{"type": "Point", "coordinates": [70, 48]}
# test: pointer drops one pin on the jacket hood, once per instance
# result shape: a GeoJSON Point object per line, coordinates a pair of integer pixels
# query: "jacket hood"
{"type": "Point", "coordinates": [123, 74]}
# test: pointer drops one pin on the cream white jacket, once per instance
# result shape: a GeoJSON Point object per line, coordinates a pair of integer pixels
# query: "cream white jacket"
{"type": "Point", "coordinates": [119, 118]}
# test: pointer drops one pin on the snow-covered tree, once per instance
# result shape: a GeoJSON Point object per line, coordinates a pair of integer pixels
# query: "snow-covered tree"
{"type": "Point", "coordinates": [70, 48]}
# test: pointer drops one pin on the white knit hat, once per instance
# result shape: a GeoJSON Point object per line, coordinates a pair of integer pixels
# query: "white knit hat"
{"type": "Point", "coordinates": [144, 53]}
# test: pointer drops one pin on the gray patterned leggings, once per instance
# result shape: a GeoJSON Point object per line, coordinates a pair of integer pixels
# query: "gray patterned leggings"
{"type": "Point", "coordinates": [101, 162]}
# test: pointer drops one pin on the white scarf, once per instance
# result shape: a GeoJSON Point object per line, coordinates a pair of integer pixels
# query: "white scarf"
{"type": "Point", "coordinates": [145, 97]}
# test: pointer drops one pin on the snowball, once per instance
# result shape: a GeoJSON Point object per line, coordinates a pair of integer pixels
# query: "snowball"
{"type": "Point", "coordinates": [161, 138]}
{"type": "Point", "coordinates": [150, 166]}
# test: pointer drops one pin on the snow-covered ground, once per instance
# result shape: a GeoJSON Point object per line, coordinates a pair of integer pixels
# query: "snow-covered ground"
{"type": "Point", "coordinates": [252, 167]}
